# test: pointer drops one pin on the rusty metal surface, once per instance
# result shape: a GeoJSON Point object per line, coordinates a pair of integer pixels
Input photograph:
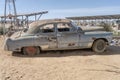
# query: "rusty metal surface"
{"type": "Point", "coordinates": [62, 35]}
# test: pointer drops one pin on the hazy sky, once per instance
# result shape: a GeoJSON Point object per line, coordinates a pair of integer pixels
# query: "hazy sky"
{"type": "Point", "coordinates": [66, 8]}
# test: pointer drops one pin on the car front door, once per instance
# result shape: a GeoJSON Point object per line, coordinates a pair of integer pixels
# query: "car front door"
{"type": "Point", "coordinates": [67, 36]}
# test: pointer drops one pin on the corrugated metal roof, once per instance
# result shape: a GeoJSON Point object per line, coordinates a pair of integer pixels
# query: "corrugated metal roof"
{"type": "Point", "coordinates": [95, 17]}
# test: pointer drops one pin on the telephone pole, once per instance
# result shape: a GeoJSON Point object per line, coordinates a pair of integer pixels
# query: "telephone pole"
{"type": "Point", "coordinates": [10, 10]}
{"type": "Point", "coordinates": [10, 15]}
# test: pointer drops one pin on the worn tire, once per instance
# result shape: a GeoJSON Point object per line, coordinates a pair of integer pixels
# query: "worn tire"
{"type": "Point", "coordinates": [99, 46]}
{"type": "Point", "coordinates": [31, 51]}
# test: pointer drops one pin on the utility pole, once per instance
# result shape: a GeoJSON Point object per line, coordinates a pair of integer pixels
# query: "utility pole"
{"type": "Point", "coordinates": [10, 11]}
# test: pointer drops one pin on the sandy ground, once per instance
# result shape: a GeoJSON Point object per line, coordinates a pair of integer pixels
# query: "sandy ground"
{"type": "Point", "coordinates": [65, 65]}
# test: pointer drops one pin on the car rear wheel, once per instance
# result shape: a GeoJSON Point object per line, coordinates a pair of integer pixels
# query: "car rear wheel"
{"type": "Point", "coordinates": [99, 46]}
{"type": "Point", "coordinates": [31, 51]}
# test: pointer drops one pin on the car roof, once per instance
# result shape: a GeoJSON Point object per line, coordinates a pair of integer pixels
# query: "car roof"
{"type": "Point", "coordinates": [47, 21]}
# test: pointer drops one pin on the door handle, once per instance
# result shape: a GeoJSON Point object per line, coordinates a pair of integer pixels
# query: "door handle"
{"type": "Point", "coordinates": [59, 35]}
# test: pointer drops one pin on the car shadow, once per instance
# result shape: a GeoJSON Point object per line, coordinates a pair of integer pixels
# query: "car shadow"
{"type": "Point", "coordinates": [112, 50]}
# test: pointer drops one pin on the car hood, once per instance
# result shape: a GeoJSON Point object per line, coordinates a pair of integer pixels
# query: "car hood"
{"type": "Point", "coordinates": [98, 33]}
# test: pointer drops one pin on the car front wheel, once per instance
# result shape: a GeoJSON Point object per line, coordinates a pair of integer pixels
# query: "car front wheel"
{"type": "Point", "coordinates": [99, 46]}
{"type": "Point", "coordinates": [31, 51]}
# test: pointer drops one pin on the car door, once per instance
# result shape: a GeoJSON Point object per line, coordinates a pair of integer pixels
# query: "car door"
{"type": "Point", "coordinates": [67, 36]}
{"type": "Point", "coordinates": [47, 37]}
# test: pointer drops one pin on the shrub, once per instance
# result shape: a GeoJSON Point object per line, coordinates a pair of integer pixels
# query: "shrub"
{"type": "Point", "coordinates": [107, 27]}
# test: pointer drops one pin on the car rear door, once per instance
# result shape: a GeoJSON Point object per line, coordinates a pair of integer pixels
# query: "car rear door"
{"type": "Point", "coordinates": [47, 38]}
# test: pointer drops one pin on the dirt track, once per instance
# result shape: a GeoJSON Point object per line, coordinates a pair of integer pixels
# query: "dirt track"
{"type": "Point", "coordinates": [67, 65]}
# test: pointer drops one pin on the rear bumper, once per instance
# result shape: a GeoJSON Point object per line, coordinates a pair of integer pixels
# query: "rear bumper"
{"type": "Point", "coordinates": [8, 44]}
{"type": "Point", "coordinates": [6, 48]}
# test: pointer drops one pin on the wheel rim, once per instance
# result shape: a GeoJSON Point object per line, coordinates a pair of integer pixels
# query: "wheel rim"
{"type": "Point", "coordinates": [31, 50]}
{"type": "Point", "coordinates": [101, 46]}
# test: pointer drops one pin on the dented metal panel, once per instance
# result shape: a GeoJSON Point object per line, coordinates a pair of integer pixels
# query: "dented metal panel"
{"type": "Point", "coordinates": [55, 34]}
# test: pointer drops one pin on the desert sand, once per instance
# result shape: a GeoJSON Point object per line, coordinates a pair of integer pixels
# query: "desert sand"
{"type": "Point", "coordinates": [61, 65]}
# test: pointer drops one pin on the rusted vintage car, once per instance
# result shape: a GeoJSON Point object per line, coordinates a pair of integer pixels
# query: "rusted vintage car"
{"type": "Point", "coordinates": [57, 34]}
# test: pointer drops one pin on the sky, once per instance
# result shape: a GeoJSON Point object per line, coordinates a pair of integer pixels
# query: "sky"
{"type": "Point", "coordinates": [66, 8]}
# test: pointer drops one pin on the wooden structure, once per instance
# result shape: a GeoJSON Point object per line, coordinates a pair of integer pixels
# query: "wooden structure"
{"type": "Point", "coordinates": [11, 16]}
{"type": "Point", "coordinates": [23, 19]}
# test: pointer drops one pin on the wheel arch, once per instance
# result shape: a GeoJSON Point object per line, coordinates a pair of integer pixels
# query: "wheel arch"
{"type": "Point", "coordinates": [100, 39]}
{"type": "Point", "coordinates": [27, 46]}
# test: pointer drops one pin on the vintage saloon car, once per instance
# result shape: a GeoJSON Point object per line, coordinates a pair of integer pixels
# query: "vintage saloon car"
{"type": "Point", "coordinates": [57, 34]}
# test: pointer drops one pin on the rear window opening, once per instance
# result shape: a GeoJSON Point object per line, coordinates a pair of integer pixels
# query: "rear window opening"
{"type": "Point", "coordinates": [63, 29]}
{"type": "Point", "coordinates": [47, 30]}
